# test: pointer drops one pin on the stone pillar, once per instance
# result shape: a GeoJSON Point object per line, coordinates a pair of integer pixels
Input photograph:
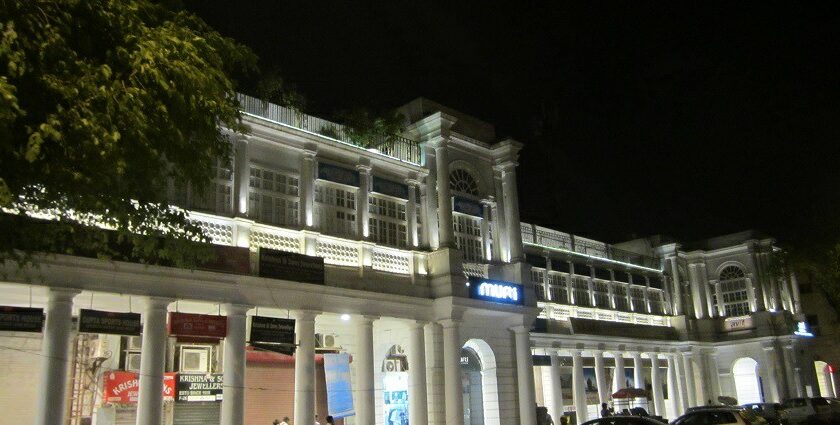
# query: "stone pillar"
{"type": "Point", "coordinates": [751, 294]}
{"type": "Point", "coordinates": [688, 378]}
{"type": "Point", "coordinates": [570, 284]}
{"type": "Point", "coordinates": [697, 292]}
{"type": "Point", "coordinates": [579, 391]}
{"type": "Point", "coordinates": [486, 251]}
{"type": "Point", "coordinates": [362, 199]}
{"type": "Point", "coordinates": [678, 301]}
{"type": "Point", "coordinates": [524, 376]}
{"type": "Point", "coordinates": [500, 228]}
{"type": "Point", "coordinates": [514, 232]}
{"type": "Point", "coordinates": [794, 289]}
{"type": "Point", "coordinates": [307, 188]}
{"type": "Point", "coordinates": [618, 376]}
{"type": "Point", "coordinates": [721, 309]}
{"type": "Point", "coordinates": [434, 373]}
{"type": "Point", "coordinates": [429, 194]}
{"type": "Point", "coordinates": [710, 356]}
{"type": "Point", "coordinates": [444, 198]}
{"type": "Point", "coordinates": [772, 385]}
{"type": "Point", "coordinates": [647, 294]}
{"type": "Point", "coordinates": [638, 371]}
{"type": "Point", "coordinates": [667, 303]}
{"type": "Point", "coordinates": [241, 177]}
{"type": "Point", "coordinates": [601, 377]}
{"type": "Point", "coordinates": [452, 372]}
{"type": "Point", "coordinates": [707, 292]}
{"type": "Point", "coordinates": [656, 383]}
{"type": "Point", "coordinates": [674, 397]}
{"type": "Point", "coordinates": [794, 371]}
{"type": "Point", "coordinates": [55, 358]}
{"type": "Point", "coordinates": [233, 364]}
{"type": "Point", "coordinates": [418, 407]}
{"type": "Point", "coordinates": [411, 214]}
{"type": "Point", "coordinates": [629, 294]}
{"type": "Point", "coordinates": [152, 362]}
{"type": "Point", "coordinates": [556, 389]}
{"type": "Point", "coordinates": [611, 289]}
{"type": "Point", "coordinates": [590, 286]}
{"type": "Point", "coordinates": [547, 277]}
{"type": "Point", "coordinates": [305, 367]}
{"type": "Point", "coordinates": [681, 382]}
{"type": "Point", "coordinates": [365, 383]}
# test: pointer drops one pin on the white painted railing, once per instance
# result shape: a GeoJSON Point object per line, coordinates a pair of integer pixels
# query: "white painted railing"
{"type": "Point", "coordinates": [563, 312]}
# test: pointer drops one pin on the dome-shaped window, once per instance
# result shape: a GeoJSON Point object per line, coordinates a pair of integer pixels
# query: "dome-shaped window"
{"type": "Point", "coordinates": [462, 181]}
{"type": "Point", "coordinates": [731, 272]}
{"type": "Point", "coordinates": [733, 288]}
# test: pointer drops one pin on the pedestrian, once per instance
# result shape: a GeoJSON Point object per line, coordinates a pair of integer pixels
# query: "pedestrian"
{"type": "Point", "coordinates": [605, 411]}
{"type": "Point", "coordinates": [285, 420]}
{"type": "Point", "coordinates": [330, 420]}
{"type": "Point", "coordinates": [276, 422]}
{"type": "Point", "coordinates": [316, 420]}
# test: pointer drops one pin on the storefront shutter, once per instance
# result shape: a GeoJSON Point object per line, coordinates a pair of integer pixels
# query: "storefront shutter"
{"type": "Point", "coordinates": [197, 413]}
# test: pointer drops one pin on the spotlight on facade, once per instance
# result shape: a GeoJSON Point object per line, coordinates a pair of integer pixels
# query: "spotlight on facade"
{"type": "Point", "coordinates": [345, 317]}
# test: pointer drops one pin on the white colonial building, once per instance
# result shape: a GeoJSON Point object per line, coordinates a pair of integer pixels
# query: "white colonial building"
{"type": "Point", "coordinates": [408, 254]}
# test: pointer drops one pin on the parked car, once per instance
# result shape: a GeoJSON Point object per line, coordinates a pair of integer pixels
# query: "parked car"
{"type": "Point", "coordinates": [709, 415]}
{"type": "Point", "coordinates": [624, 420]}
{"type": "Point", "coordinates": [773, 412]}
{"type": "Point", "coordinates": [813, 410]}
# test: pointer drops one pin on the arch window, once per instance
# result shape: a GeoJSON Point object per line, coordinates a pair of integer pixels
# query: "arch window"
{"type": "Point", "coordinates": [462, 181]}
{"type": "Point", "coordinates": [733, 289]}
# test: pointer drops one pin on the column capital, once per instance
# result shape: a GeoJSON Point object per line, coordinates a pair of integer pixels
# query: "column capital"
{"type": "Point", "coordinates": [305, 315]}
{"type": "Point", "coordinates": [412, 183]}
{"type": "Point", "coordinates": [518, 329]}
{"type": "Point", "coordinates": [363, 168]}
{"type": "Point", "coordinates": [506, 166]}
{"type": "Point", "coordinates": [63, 294]}
{"type": "Point", "coordinates": [416, 324]}
{"type": "Point", "coordinates": [575, 352]}
{"type": "Point", "coordinates": [653, 355]}
{"type": "Point", "coordinates": [232, 309]}
{"type": "Point", "coordinates": [158, 302]}
{"type": "Point", "coordinates": [597, 352]}
{"type": "Point", "coordinates": [450, 323]}
{"type": "Point", "coordinates": [309, 152]}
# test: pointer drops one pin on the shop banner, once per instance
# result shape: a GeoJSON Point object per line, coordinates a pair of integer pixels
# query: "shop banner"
{"type": "Point", "coordinates": [338, 174]}
{"type": "Point", "coordinates": [122, 387]}
{"type": "Point", "coordinates": [740, 323]}
{"type": "Point", "coordinates": [390, 188]}
{"type": "Point", "coordinates": [199, 387]}
{"type": "Point", "coordinates": [108, 322]}
{"type": "Point", "coordinates": [229, 259]}
{"type": "Point", "coordinates": [290, 266]}
{"type": "Point", "coordinates": [21, 319]}
{"type": "Point", "coordinates": [272, 331]}
{"type": "Point", "coordinates": [339, 390]}
{"type": "Point", "coordinates": [203, 325]}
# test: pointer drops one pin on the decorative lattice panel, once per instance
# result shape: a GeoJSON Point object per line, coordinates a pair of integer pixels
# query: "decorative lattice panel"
{"type": "Point", "coordinates": [278, 241]}
{"type": "Point", "coordinates": [340, 254]}
{"type": "Point", "coordinates": [391, 261]}
{"type": "Point", "coordinates": [475, 270]}
{"type": "Point", "coordinates": [220, 234]}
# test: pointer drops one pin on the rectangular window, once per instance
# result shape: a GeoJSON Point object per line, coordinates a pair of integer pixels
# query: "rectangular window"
{"type": "Point", "coordinates": [336, 209]}
{"type": "Point", "coordinates": [218, 194]}
{"type": "Point", "coordinates": [735, 298]}
{"type": "Point", "coordinates": [467, 231]}
{"type": "Point", "coordinates": [273, 197]}
{"type": "Point", "coordinates": [387, 224]}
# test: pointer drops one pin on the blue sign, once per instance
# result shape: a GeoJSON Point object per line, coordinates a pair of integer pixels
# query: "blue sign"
{"type": "Point", "coordinates": [390, 188]}
{"type": "Point", "coordinates": [339, 390]}
{"type": "Point", "coordinates": [803, 329]}
{"type": "Point", "coordinates": [496, 291]}
{"type": "Point", "coordinates": [338, 174]}
{"type": "Point", "coordinates": [467, 206]}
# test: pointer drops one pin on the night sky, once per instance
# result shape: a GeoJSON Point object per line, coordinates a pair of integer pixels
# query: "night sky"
{"type": "Point", "coordinates": [690, 120]}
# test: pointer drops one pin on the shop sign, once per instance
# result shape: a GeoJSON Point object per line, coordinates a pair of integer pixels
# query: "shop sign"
{"type": "Point", "coordinates": [467, 206]}
{"type": "Point", "coordinates": [496, 291]}
{"type": "Point", "coordinates": [108, 322]}
{"type": "Point", "coordinates": [803, 329]}
{"type": "Point", "coordinates": [338, 174]}
{"type": "Point", "coordinates": [339, 389]}
{"type": "Point", "coordinates": [390, 188]}
{"type": "Point", "coordinates": [21, 319]}
{"type": "Point", "coordinates": [731, 324]}
{"type": "Point", "coordinates": [204, 325]}
{"type": "Point", "coordinates": [229, 259]}
{"type": "Point", "coordinates": [272, 330]}
{"type": "Point", "coordinates": [199, 387]}
{"type": "Point", "coordinates": [290, 266]}
{"type": "Point", "coordinates": [123, 387]}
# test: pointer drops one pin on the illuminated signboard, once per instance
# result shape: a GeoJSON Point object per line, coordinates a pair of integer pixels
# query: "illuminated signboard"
{"type": "Point", "coordinates": [803, 329]}
{"type": "Point", "coordinates": [496, 291]}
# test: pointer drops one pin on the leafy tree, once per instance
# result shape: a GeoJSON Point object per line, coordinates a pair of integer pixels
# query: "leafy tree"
{"type": "Point", "coordinates": [370, 130]}
{"type": "Point", "coordinates": [103, 103]}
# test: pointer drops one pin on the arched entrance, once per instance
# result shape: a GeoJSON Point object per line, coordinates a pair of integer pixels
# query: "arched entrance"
{"type": "Point", "coordinates": [478, 377]}
{"type": "Point", "coordinates": [747, 384]}
{"type": "Point", "coordinates": [825, 379]}
{"type": "Point", "coordinates": [395, 386]}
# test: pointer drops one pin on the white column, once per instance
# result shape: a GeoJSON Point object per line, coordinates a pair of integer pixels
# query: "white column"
{"type": "Point", "coordinates": [678, 301]}
{"type": "Point", "coordinates": [629, 293]}
{"type": "Point", "coordinates": [688, 378]}
{"type": "Point", "coordinates": [788, 356]}
{"type": "Point", "coordinates": [713, 374]}
{"type": "Point", "coordinates": [697, 293]}
{"type": "Point", "coordinates": [647, 294]}
{"type": "Point", "coordinates": [241, 177]}
{"type": "Point", "coordinates": [444, 199]}
{"type": "Point", "coordinates": [499, 216]}
{"type": "Point", "coordinates": [570, 284]}
{"type": "Point", "coordinates": [772, 393]}
{"type": "Point", "coordinates": [698, 378]}
{"type": "Point", "coordinates": [590, 286]}
{"type": "Point", "coordinates": [681, 384]}
{"type": "Point", "coordinates": [704, 281]}
{"type": "Point", "coordinates": [556, 389]}
{"type": "Point", "coordinates": [674, 397]}
{"type": "Point", "coordinates": [365, 401]}
{"type": "Point", "coordinates": [411, 214]}
{"type": "Point", "coordinates": [152, 362]}
{"type": "Point", "coordinates": [307, 188]}
{"type": "Point", "coordinates": [514, 232]}
{"type": "Point", "coordinates": [753, 300]}
{"type": "Point", "coordinates": [434, 373]}
{"type": "Point", "coordinates": [611, 289]}
{"type": "Point", "coordinates": [601, 377]}
{"type": "Point", "coordinates": [578, 388]}
{"type": "Point", "coordinates": [418, 407]}
{"type": "Point", "coordinates": [721, 308]}
{"type": "Point", "coordinates": [667, 307]}
{"type": "Point", "coordinates": [233, 400]}
{"type": "Point", "coordinates": [794, 289]}
{"type": "Point", "coordinates": [656, 383]}
{"type": "Point", "coordinates": [452, 372]}
{"type": "Point", "coordinates": [618, 375]}
{"type": "Point", "coordinates": [638, 376]}
{"type": "Point", "coordinates": [547, 277]}
{"type": "Point", "coordinates": [305, 367]}
{"type": "Point", "coordinates": [362, 198]}
{"type": "Point", "coordinates": [525, 376]}
{"type": "Point", "coordinates": [497, 236]}
{"type": "Point", "coordinates": [487, 251]}
{"type": "Point", "coordinates": [55, 358]}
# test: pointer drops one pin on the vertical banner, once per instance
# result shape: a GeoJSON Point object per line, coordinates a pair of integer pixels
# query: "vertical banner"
{"type": "Point", "coordinates": [339, 390]}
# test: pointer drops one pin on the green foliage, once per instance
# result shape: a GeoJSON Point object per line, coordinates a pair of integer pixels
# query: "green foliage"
{"type": "Point", "coordinates": [819, 262]}
{"type": "Point", "coordinates": [369, 130]}
{"type": "Point", "coordinates": [103, 103]}
{"type": "Point", "coordinates": [274, 89]}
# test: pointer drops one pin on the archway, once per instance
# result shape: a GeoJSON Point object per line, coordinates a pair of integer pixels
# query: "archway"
{"type": "Point", "coordinates": [395, 386]}
{"type": "Point", "coordinates": [825, 379]}
{"type": "Point", "coordinates": [747, 385]}
{"type": "Point", "coordinates": [488, 413]}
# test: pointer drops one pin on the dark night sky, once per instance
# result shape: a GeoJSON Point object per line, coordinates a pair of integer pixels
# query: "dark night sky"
{"type": "Point", "coordinates": [691, 120]}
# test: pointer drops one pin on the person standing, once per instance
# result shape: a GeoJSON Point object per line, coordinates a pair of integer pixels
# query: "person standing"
{"type": "Point", "coordinates": [316, 420]}
{"type": "Point", "coordinates": [285, 420]}
{"type": "Point", "coordinates": [605, 411]}
{"type": "Point", "coordinates": [330, 420]}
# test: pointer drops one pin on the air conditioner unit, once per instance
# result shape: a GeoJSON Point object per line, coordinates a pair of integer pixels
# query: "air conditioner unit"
{"type": "Point", "coordinates": [326, 341]}
{"type": "Point", "coordinates": [135, 342]}
{"type": "Point", "coordinates": [132, 362]}
{"type": "Point", "coordinates": [393, 365]}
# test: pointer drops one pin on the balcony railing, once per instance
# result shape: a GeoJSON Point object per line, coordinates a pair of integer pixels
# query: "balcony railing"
{"type": "Point", "coordinates": [390, 145]}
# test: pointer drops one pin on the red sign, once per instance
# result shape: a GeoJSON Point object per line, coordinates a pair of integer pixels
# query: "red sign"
{"type": "Point", "coordinates": [124, 387]}
{"type": "Point", "coordinates": [184, 324]}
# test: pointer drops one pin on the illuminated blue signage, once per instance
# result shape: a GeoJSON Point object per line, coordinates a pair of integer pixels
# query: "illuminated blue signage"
{"type": "Point", "coordinates": [803, 329]}
{"type": "Point", "coordinates": [496, 291]}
